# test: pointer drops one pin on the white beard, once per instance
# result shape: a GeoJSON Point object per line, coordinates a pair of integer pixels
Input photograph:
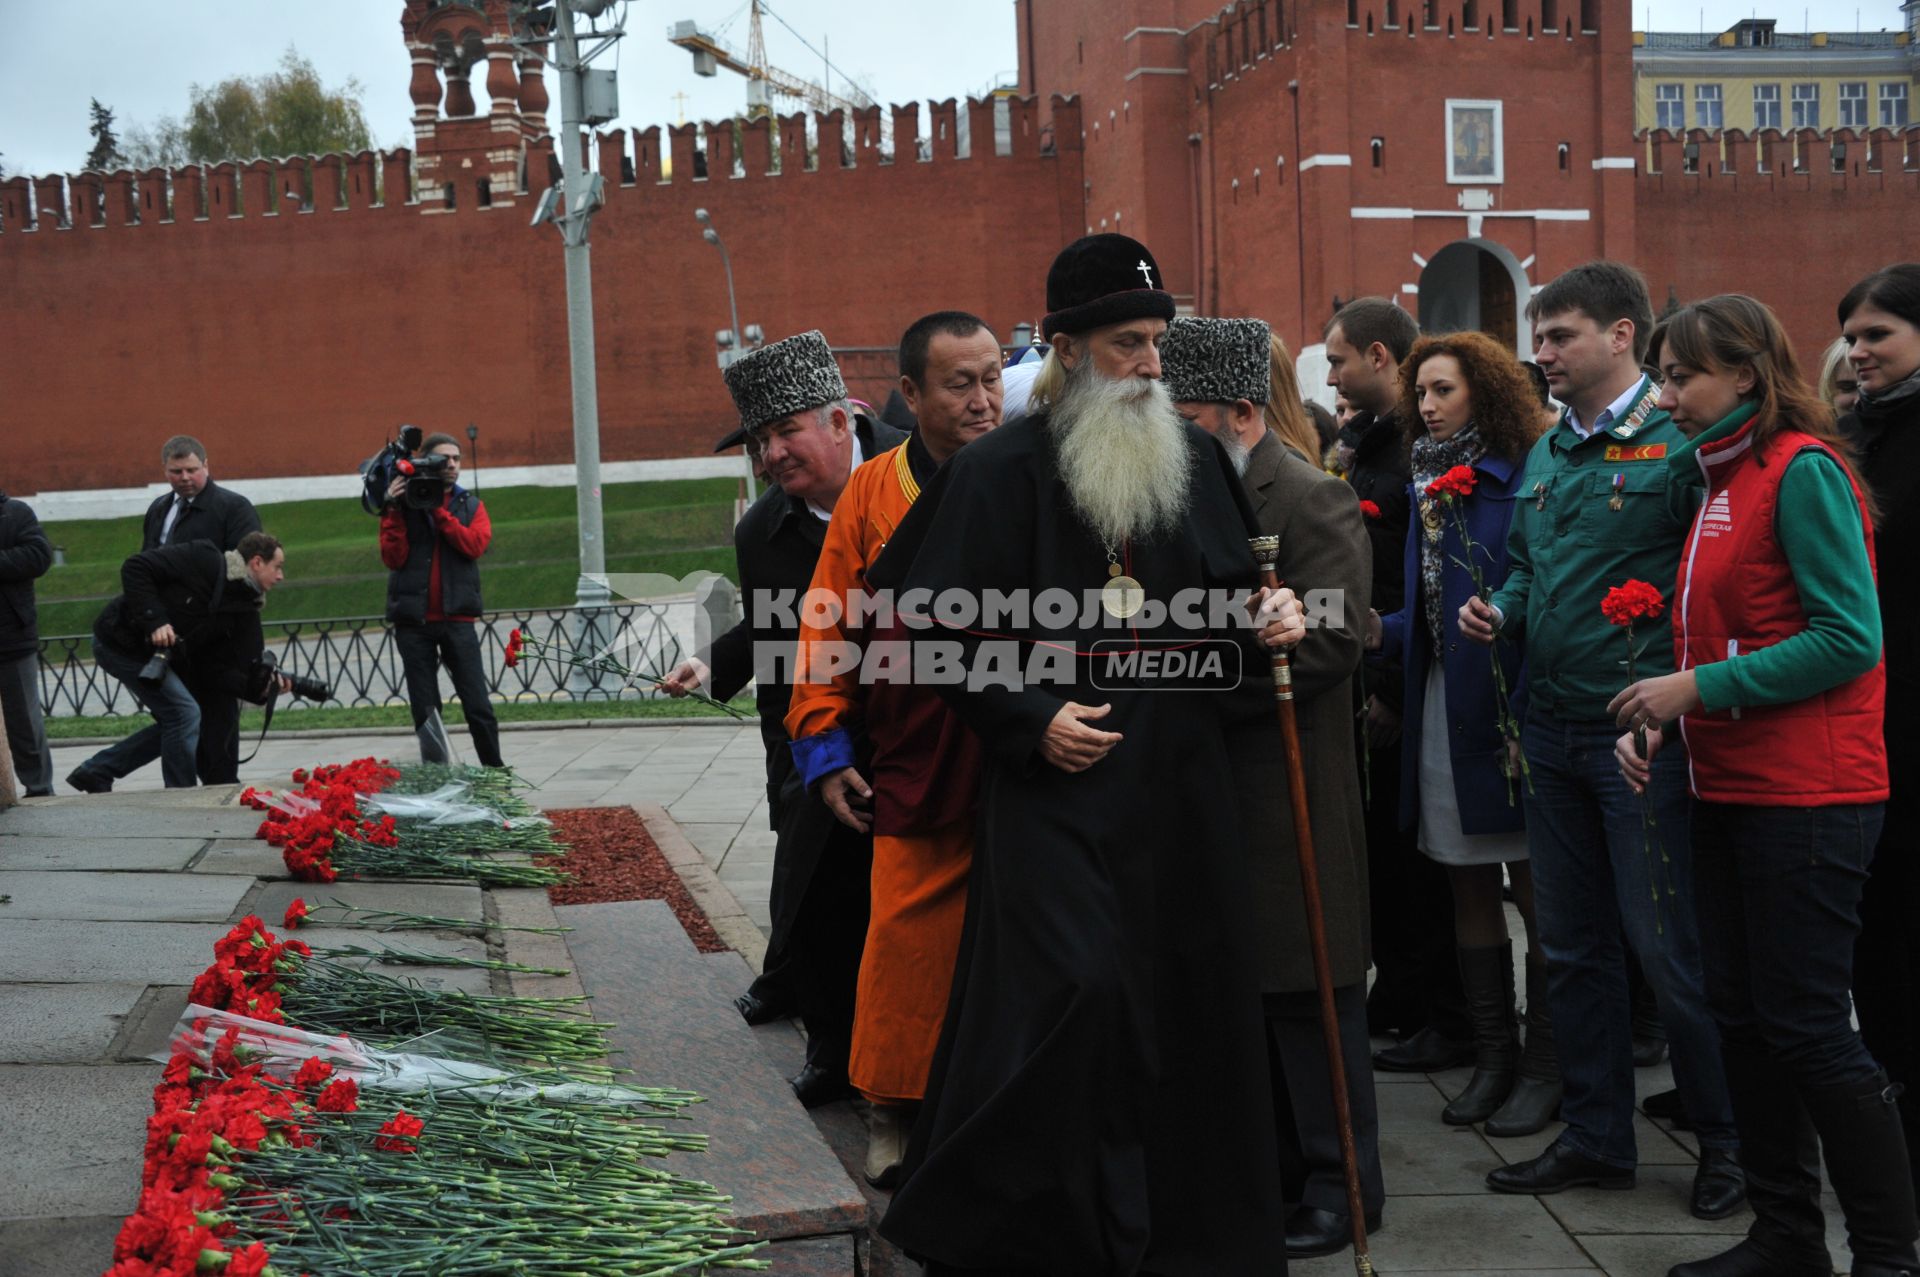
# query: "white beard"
{"type": "Point", "coordinates": [1123, 456]}
{"type": "Point", "coordinates": [1237, 452]}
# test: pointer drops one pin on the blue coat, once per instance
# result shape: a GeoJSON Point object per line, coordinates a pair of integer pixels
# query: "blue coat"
{"type": "Point", "coordinates": [1472, 725]}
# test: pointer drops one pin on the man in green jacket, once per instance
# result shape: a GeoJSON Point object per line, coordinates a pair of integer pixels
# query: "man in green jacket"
{"type": "Point", "coordinates": [1594, 512]}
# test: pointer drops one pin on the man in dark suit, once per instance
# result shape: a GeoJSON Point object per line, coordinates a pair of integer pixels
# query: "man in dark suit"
{"type": "Point", "coordinates": [198, 509]}
{"type": "Point", "coordinates": [795, 419]}
{"type": "Point", "coordinates": [1219, 374]}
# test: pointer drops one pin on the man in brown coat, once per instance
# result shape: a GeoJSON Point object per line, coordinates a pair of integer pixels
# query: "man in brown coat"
{"type": "Point", "coordinates": [1221, 373]}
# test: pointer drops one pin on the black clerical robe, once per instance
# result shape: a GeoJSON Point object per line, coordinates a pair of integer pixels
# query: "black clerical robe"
{"type": "Point", "coordinates": [1100, 1102]}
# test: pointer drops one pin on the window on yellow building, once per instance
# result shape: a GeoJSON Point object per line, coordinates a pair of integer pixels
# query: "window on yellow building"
{"type": "Point", "coordinates": [1766, 106]}
{"type": "Point", "coordinates": [1893, 106]}
{"type": "Point", "coordinates": [1708, 110]}
{"type": "Point", "coordinates": [1670, 106]}
{"type": "Point", "coordinates": [1853, 104]}
{"type": "Point", "coordinates": [1806, 106]}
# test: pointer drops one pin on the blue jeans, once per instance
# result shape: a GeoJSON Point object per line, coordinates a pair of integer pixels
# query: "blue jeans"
{"type": "Point", "coordinates": [173, 737]}
{"type": "Point", "coordinates": [1600, 879]}
{"type": "Point", "coordinates": [1779, 914]}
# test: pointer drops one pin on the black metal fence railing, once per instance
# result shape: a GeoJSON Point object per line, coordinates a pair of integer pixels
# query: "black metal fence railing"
{"type": "Point", "coordinates": [357, 656]}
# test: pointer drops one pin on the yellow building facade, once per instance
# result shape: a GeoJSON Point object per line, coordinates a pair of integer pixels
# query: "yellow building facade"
{"type": "Point", "coordinates": [1753, 77]}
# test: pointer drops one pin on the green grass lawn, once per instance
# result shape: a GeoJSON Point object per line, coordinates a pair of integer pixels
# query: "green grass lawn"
{"type": "Point", "coordinates": [354, 718]}
{"type": "Point", "coordinates": [671, 526]}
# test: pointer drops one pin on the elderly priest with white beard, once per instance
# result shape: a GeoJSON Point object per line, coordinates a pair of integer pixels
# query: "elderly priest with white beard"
{"type": "Point", "coordinates": [1100, 1101]}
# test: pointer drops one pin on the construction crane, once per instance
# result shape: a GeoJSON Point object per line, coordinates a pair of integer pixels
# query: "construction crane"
{"type": "Point", "coordinates": [764, 82]}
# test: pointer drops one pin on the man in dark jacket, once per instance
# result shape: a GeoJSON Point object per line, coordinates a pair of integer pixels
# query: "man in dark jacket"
{"type": "Point", "coordinates": [792, 404]}
{"type": "Point", "coordinates": [25, 555]}
{"type": "Point", "coordinates": [1219, 374]}
{"type": "Point", "coordinates": [198, 509]}
{"type": "Point", "coordinates": [1417, 990]}
{"type": "Point", "coordinates": [199, 606]}
{"type": "Point", "coordinates": [433, 599]}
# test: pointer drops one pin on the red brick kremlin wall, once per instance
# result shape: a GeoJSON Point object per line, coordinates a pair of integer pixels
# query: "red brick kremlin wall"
{"type": "Point", "coordinates": [1797, 235]}
{"type": "Point", "coordinates": [293, 341]}
{"type": "Point", "coordinates": [1237, 143]}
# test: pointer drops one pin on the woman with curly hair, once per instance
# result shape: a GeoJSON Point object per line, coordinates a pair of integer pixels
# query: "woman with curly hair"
{"type": "Point", "coordinates": [1468, 403]}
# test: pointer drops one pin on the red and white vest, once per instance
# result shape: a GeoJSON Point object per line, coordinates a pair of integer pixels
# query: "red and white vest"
{"type": "Point", "coordinates": [1737, 596]}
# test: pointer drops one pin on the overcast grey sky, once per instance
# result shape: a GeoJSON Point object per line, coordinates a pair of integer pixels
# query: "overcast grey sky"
{"type": "Point", "coordinates": [140, 57]}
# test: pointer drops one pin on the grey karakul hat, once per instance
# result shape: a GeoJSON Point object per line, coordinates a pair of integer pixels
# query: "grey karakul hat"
{"type": "Point", "coordinates": [779, 380]}
{"type": "Point", "coordinates": [1217, 360]}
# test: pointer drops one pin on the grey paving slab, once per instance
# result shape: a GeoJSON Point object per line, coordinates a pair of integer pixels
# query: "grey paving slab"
{"type": "Point", "coordinates": [432, 899]}
{"type": "Point", "coordinates": [1494, 1233]}
{"type": "Point", "coordinates": [73, 1137]}
{"type": "Point", "coordinates": [128, 820]}
{"type": "Point", "coordinates": [49, 951]}
{"type": "Point", "coordinates": [149, 1028]}
{"type": "Point", "coordinates": [80, 1247]}
{"type": "Point", "coordinates": [677, 1026]}
{"type": "Point", "coordinates": [713, 840]}
{"type": "Point", "coordinates": [119, 897]}
{"type": "Point", "coordinates": [1446, 1160]}
{"type": "Point", "coordinates": [1410, 1109]}
{"type": "Point", "coordinates": [62, 1023]}
{"type": "Point", "coordinates": [41, 852]}
{"type": "Point", "coordinates": [252, 856]}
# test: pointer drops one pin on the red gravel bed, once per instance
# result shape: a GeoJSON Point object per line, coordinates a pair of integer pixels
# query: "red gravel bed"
{"type": "Point", "coordinates": [611, 856]}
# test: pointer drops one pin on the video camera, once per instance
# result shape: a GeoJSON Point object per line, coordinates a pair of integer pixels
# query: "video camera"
{"type": "Point", "coordinates": [426, 477]}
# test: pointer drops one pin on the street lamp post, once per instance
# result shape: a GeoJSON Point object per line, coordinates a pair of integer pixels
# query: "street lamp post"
{"type": "Point", "coordinates": [733, 348]}
{"type": "Point", "coordinates": [591, 589]}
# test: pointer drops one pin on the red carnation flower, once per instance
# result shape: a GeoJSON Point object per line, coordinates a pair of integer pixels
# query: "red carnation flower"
{"type": "Point", "coordinates": [296, 914]}
{"type": "Point", "coordinates": [396, 1135]}
{"type": "Point", "coordinates": [1370, 509]}
{"type": "Point", "coordinates": [342, 1095]}
{"type": "Point", "coordinates": [251, 1262]}
{"type": "Point", "coordinates": [1457, 482]}
{"type": "Point", "coordinates": [1633, 601]}
{"type": "Point", "coordinates": [515, 642]}
{"type": "Point", "coordinates": [299, 775]}
{"type": "Point", "coordinates": [312, 1073]}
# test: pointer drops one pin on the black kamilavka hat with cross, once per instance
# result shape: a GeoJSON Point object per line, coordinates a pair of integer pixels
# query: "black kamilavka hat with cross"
{"type": "Point", "coordinates": [1101, 280]}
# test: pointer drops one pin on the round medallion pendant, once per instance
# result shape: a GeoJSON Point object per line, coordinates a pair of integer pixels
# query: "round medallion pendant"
{"type": "Point", "coordinates": [1121, 597]}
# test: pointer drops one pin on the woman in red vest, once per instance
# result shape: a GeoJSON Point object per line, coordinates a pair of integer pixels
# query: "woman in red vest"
{"type": "Point", "coordinates": [1779, 697]}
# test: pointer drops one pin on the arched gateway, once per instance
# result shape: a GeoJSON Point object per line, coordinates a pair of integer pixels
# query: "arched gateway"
{"type": "Point", "coordinates": [1476, 284]}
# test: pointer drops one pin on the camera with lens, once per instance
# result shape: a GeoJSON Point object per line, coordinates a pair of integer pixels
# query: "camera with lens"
{"type": "Point", "coordinates": [426, 477]}
{"type": "Point", "coordinates": [262, 674]}
{"type": "Point", "coordinates": [155, 670]}
{"type": "Point", "coordinates": [427, 480]}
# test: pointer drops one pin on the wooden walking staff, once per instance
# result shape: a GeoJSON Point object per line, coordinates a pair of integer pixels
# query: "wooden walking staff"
{"type": "Point", "coordinates": [1265, 551]}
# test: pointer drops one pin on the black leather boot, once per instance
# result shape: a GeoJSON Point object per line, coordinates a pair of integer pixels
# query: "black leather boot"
{"type": "Point", "coordinates": [1535, 1100]}
{"type": "Point", "coordinates": [1487, 975]}
{"type": "Point", "coordinates": [1781, 1158]}
{"type": "Point", "coordinates": [1860, 1130]}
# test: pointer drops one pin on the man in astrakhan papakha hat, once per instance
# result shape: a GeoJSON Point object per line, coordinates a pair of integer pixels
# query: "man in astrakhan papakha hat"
{"type": "Point", "coordinates": [1100, 1101]}
{"type": "Point", "coordinates": [795, 418]}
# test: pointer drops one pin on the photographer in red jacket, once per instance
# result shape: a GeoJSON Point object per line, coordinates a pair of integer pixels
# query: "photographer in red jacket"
{"type": "Point", "coordinates": [432, 534]}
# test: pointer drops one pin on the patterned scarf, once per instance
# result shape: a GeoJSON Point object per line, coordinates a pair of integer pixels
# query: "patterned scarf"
{"type": "Point", "coordinates": [1431, 459]}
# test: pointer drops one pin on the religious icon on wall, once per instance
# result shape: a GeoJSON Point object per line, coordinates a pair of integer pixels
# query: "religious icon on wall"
{"type": "Point", "coordinates": [1474, 141]}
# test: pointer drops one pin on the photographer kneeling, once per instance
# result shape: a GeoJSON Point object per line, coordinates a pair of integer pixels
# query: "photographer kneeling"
{"type": "Point", "coordinates": [432, 534]}
{"type": "Point", "coordinates": [185, 638]}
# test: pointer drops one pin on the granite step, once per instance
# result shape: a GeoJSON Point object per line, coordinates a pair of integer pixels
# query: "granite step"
{"type": "Point", "coordinates": [676, 1027]}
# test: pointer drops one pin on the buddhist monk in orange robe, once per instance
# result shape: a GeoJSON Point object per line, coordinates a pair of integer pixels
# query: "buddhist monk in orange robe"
{"type": "Point", "coordinates": [918, 792]}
